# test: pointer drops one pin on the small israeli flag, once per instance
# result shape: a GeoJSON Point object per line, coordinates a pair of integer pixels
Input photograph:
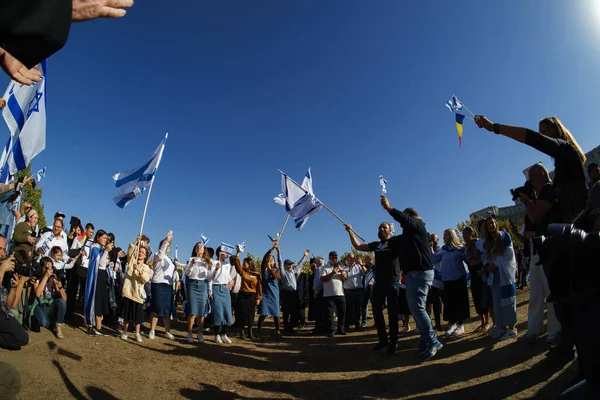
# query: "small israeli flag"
{"type": "Point", "coordinates": [203, 239]}
{"type": "Point", "coordinates": [392, 228]}
{"type": "Point", "coordinates": [454, 104]}
{"type": "Point", "coordinates": [382, 183]}
{"type": "Point", "coordinates": [241, 247]}
{"type": "Point", "coordinates": [40, 174]}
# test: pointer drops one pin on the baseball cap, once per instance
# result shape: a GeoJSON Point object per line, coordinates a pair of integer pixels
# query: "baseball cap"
{"type": "Point", "coordinates": [332, 254]}
{"type": "Point", "coordinates": [288, 262]}
{"type": "Point", "coordinates": [59, 214]}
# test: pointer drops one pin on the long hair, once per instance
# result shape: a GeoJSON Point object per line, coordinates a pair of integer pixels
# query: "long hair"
{"type": "Point", "coordinates": [493, 241]}
{"type": "Point", "coordinates": [454, 240]}
{"type": "Point", "coordinates": [205, 255]}
{"type": "Point", "coordinates": [22, 209]}
{"type": "Point", "coordinates": [561, 132]}
{"type": "Point", "coordinates": [250, 263]}
{"type": "Point", "coordinates": [99, 234]}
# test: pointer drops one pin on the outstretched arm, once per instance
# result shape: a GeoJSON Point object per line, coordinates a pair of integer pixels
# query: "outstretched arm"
{"type": "Point", "coordinates": [355, 243]}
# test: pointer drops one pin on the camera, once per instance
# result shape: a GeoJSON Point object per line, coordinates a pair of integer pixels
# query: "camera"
{"type": "Point", "coordinates": [570, 257]}
{"type": "Point", "coordinates": [526, 189]}
{"type": "Point", "coordinates": [27, 271]}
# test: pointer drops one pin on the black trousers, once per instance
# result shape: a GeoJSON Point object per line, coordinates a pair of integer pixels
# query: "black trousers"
{"type": "Point", "coordinates": [320, 312]}
{"type": "Point", "coordinates": [353, 306]}
{"type": "Point", "coordinates": [72, 289]}
{"type": "Point", "coordinates": [381, 294]}
{"type": "Point", "coordinates": [12, 333]}
{"type": "Point", "coordinates": [434, 300]}
{"type": "Point", "coordinates": [290, 308]}
{"type": "Point", "coordinates": [336, 305]}
{"type": "Point", "coordinates": [364, 312]}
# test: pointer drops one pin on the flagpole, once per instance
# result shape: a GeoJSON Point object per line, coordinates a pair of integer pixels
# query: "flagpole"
{"type": "Point", "coordinates": [283, 228]}
{"type": "Point", "coordinates": [467, 108]}
{"type": "Point", "coordinates": [324, 206]}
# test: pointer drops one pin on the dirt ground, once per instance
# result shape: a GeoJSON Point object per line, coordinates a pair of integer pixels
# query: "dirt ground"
{"type": "Point", "coordinates": [303, 367]}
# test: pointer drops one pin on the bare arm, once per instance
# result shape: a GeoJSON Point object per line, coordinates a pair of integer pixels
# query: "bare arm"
{"type": "Point", "coordinates": [355, 243]}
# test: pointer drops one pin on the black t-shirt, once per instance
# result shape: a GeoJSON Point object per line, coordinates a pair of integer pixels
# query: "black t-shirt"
{"type": "Point", "coordinates": [553, 215]}
{"type": "Point", "coordinates": [570, 183]}
{"type": "Point", "coordinates": [387, 253]}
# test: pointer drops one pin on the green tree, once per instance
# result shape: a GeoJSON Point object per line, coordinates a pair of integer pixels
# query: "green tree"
{"type": "Point", "coordinates": [256, 260]}
{"type": "Point", "coordinates": [33, 196]}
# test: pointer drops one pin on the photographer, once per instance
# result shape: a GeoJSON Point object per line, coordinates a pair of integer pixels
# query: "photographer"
{"type": "Point", "coordinates": [21, 282]}
{"type": "Point", "coordinates": [541, 212]}
{"type": "Point", "coordinates": [51, 298]}
{"type": "Point", "coordinates": [12, 333]}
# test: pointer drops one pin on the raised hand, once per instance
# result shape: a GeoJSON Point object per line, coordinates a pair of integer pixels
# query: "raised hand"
{"type": "Point", "coordinates": [86, 10]}
{"type": "Point", "coordinates": [16, 70]}
{"type": "Point", "coordinates": [484, 123]}
{"type": "Point", "coordinates": [306, 252]}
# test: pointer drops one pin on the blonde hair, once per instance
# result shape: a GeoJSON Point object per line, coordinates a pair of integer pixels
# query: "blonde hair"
{"type": "Point", "coordinates": [561, 132]}
{"type": "Point", "coordinates": [454, 240]}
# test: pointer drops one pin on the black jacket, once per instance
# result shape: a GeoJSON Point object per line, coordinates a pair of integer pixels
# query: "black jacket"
{"type": "Point", "coordinates": [416, 253]}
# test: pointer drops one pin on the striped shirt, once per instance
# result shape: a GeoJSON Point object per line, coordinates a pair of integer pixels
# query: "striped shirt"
{"type": "Point", "coordinates": [289, 277]}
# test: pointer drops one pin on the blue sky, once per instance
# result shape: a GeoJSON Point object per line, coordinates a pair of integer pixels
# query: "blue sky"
{"type": "Point", "coordinates": [353, 89]}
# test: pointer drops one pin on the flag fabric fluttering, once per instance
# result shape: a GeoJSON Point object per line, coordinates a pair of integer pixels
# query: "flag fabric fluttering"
{"type": "Point", "coordinates": [203, 240]}
{"type": "Point", "coordinates": [132, 183]}
{"type": "Point", "coordinates": [176, 255]}
{"type": "Point", "coordinates": [25, 115]}
{"type": "Point", "coordinates": [382, 183]}
{"type": "Point", "coordinates": [459, 127]}
{"type": "Point", "coordinates": [299, 202]}
{"type": "Point", "coordinates": [241, 247]}
{"type": "Point", "coordinates": [392, 229]}
{"type": "Point", "coordinates": [454, 104]}
{"type": "Point", "coordinates": [41, 174]}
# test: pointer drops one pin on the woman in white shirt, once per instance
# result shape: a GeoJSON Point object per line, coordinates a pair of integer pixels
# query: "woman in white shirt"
{"type": "Point", "coordinates": [96, 289]}
{"type": "Point", "coordinates": [219, 287]}
{"type": "Point", "coordinates": [197, 271]}
{"type": "Point", "coordinates": [162, 288]}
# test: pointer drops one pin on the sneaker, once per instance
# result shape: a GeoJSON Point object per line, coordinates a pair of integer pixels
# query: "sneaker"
{"type": "Point", "coordinates": [432, 351]}
{"type": "Point", "coordinates": [421, 350]}
{"type": "Point", "coordinates": [550, 339]}
{"type": "Point", "coordinates": [509, 333]}
{"type": "Point", "coordinates": [331, 334]}
{"type": "Point", "coordinates": [151, 335]}
{"type": "Point", "coordinates": [528, 337]}
{"type": "Point", "coordinates": [90, 331]}
{"type": "Point", "coordinates": [218, 339]}
{"type": "Point", "coordinates": [58, 331]}
{"type": "Point", "coordinates": [460, 329]}
{"type": "Point", "coordinates": [138, 338]}
{"type": "Point", "coordinates": [451, 329]}
{"type": "Point", "coordinates": [342, 332]}
{"type": "Point", "coordinates": [200, 338]}
{"type": "Point", "coordinates": [380, 346]}
{"type": "Point", "coordinates": [495, 332]}
{"type": "Point", "coordinates": [169, 335]}
{"type": "Point", "coordinates": [406, 329]}
{"type": "Point", "coordinates": [124, 336]}
{"type": "Point", "coordinates": [190, 337]}
{"type": "Point", "coordinates": [120, 321]}
{"type": "Point", "coordinates": [225, 339]}
{"type": "Point", "coordinates": [98, 332]}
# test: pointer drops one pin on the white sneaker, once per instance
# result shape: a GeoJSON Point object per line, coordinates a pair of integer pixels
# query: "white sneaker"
{"type": "Point", "coordinates": [406, 329]}
{"type": "Point", "coordinates": [124, 336]}
{"type": "Point", "coordinates": [200, 338]}
{"type": "Point", "coordinates": [151, 335]}
{"type": "Point", "coordinates": [169, 336]}
{"type": "Point", "coordinates": [451, 329]}
{"type": "Point", "coordinates": [460, 329]}
{"type": "Point", "coordinates": [509, 333]}
{"type": "Point", "coordinates": [190, 337]}
{"type": "Point", "coordinates": [226, 339]}
{"type": "Point", "coordinates": [120, 322]}
{"type": "Point", "coordinates": [218, 339]}
{"type": "Point", "coordinates": [138, 337]}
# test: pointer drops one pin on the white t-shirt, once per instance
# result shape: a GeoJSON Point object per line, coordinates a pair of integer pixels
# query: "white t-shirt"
{"type": "Point", "coordinates": [197, 269]}
{"type": "Point", "coordinates": [334, 286]}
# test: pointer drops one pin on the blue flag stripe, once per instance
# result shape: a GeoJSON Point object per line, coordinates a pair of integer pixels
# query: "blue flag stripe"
{"type": "Point", "coordinates": [15, 110]}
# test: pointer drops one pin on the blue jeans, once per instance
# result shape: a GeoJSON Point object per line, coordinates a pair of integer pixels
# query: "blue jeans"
{"type": "Point", "coordinates": [57, 309]}
{"type": "Point", "coordinates": [381, 293]}
{"type": "Point", "coordinates": [417, 287]}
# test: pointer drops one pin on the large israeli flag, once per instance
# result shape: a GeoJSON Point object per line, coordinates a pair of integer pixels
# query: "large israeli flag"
{"type": "Point", "coordinates": [25, 115]}
{"type": "Point", "coordinates": [132, 183]}
{"type": "Point", "coordinates": [299, 201]}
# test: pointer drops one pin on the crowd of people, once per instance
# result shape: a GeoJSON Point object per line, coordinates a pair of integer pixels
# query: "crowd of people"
{"type": "Point", "coordinates": [52, 273]}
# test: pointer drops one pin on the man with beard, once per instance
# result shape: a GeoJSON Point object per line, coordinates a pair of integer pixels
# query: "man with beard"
{"type": "Point", "coordinates": [387, 282]}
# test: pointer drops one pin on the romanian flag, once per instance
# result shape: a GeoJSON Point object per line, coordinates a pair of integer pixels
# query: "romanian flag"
{"type": "Point", "coordinates": [459, 127]}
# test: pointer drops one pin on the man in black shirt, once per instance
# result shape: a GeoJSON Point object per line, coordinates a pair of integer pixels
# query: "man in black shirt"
{"type": "Point", "coordinates": [387, 282]}
{"type": "Point", "coordinates": [417, 265]}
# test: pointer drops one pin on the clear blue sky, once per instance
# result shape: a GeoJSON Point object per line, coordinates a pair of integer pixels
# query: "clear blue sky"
{"type": "Point", "coordinates": [353, 89]}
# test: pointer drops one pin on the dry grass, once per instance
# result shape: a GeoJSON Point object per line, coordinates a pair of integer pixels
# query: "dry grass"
{"type": "Point", "coordinates": [303, 367]}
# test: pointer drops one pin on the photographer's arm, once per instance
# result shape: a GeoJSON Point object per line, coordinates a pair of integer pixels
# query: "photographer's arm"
{"type": "Point", "coordinates": [39, 287]}
{"type": "Point", "coordinates": [12, 301]}
{"type": "Point", "coordinates": [537, 210]}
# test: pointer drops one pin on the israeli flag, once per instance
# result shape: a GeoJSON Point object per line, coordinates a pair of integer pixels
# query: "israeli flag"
{"type": "Point", "coordinates": [40, 174]}
{"type": "Point", "coordinates": [203, 239]}
{"type": "Point", "coordinates": [132, 183]}
{"type": "Point", "coordinates": [382, 183]}
{"type": "Point", "coordinates": [454, 104]}
{"type": "Point", "coordinates": [176, 255]}
{"type": "Point", "coordinates": [25, 115]}
{"type": "Point", "coordinates": [300, 201]}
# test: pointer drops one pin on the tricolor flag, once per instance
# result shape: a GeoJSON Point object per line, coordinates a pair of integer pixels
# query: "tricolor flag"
{"type": "Point", "coordinates": [25, 115]}
{"type": "Point", "coordinates": [299, 200]}
{"type": "Point", "coordinates": [132, 183]}
{"type": "Point", "coordinates": [459, 127]}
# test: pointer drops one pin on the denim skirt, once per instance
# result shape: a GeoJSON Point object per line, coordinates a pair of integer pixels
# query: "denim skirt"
{"type": "Point", "coordinates": [221, 305]}
{"type": "Point", "coordinates": [197, 297]}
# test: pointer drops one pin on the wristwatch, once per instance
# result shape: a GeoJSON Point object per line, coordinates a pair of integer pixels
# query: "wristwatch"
{"type": "Point", "coordinates": [497, 129]}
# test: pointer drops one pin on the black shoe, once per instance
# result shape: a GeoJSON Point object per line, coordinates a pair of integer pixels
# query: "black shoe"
{"type": "Point", "coordinates": [391, 350]}
{"type": "Point", "coordinates": [341, 332]}
{"type": "Point", "coordinates": [380, 346]}
{"type": "Point", "coordinates": [331, 334]}
{"type": "Point", "coordinates": [242, 335]}
{"type": "Point", "coordinates": [250, 335]}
